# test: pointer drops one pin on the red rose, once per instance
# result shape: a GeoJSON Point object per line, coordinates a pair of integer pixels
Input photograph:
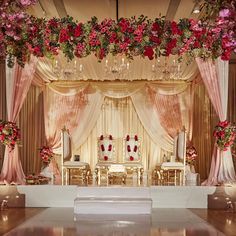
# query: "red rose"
{"type": "Point", "coordinates": [221, 134]}
{"type": "Point", "coordinates": [148, 52]}
{"type": "Point", "coordinates": [105, 158]}
{"type": "Point", "coordinates": [127, 138]}
{"type": "Point", "coordinates": [78, 30]}
{"type": "Point", "coordinates": [223, 124]}
{"type": "Point", "coordinates": [64, 36]}
{"type": "Point", "coordinates": [131, 158]}
{"type": "Point", "coordinates": [155, 39]}
{"type": "Point", "coordinates": [128, 148]}
{"type": "Point", "coordinates": [102, 148]}
{"type": "Point", "coordinates": [155, 26]}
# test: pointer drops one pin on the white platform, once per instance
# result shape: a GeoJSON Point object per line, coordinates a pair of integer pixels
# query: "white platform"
{"type": "Point", "coordinates": [162, 196]}
{"type": "Point", "coordinates": [113, 200]}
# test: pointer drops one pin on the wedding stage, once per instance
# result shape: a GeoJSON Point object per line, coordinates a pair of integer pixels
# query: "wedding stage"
{"type": "Point", "coordinates": [161, 196]}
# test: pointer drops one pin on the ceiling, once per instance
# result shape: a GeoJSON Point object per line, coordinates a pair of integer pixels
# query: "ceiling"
{"type": "Point", "coordinates": [83, 10]}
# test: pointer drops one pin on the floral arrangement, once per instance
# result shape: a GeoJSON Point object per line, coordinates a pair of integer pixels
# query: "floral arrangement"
{"type": "Point", "coordinates": [22, 35]}
{"type": "Point", "coordinates": [132, 147]}
{"type": "Point", "coordinates": [225, 134]}
{"type": "Point", "coordinates": [36, 179]}
{"type": "Point", "coordinates": [191, 154]}
{"type": "Point", "coordinates": [106, 146]}
{"type": "Point", "coordinates": [46, 154]}
{"type": "Point", "coordinates": [9, 134]}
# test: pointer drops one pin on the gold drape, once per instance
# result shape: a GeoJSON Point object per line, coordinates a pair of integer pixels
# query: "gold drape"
{"type": "Point", "coordinates": [31, 122]}
{"type": "Point", "coordinates": [201, 130]}
{"type": "Point", "coordinates": [3, 106]}
{"type": "Point", "coordinates": [232, 97]}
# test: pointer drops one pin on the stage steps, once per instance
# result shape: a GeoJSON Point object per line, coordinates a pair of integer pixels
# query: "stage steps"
{"type": "Point", "coordinates": [113, 200]}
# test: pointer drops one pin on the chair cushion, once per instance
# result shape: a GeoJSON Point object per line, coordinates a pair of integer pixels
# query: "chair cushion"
{"type": "Point", "coordinates": [172, 164]}
{"type": "Point", "coordinates": [75, 163]}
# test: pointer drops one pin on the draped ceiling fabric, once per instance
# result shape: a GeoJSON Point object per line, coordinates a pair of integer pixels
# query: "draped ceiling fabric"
{"type": "Point", "coordinates": [215, 77]}
{"type": "Point", "coordinates": [18, 83]}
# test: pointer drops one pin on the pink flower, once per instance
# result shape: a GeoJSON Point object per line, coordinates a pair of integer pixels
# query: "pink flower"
{"type": "Point", "coordinates": [224, 13]}
{"type": "Point", "coordinates": [27, 2]}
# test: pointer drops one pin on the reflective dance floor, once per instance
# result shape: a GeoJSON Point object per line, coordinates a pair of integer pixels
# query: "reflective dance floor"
{"type": "Point", "coordinates": [63, 222]}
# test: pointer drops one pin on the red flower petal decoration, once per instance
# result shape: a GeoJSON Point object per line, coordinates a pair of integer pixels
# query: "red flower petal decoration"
{"type": "Point", "coordinates": [135, 148]}
{"type": "Point", "coordinates": [136, 137]}
{"type": "Point", "coordinates": [131, 158]}
{"type": "Point", "coordinates": [127, 138]}
{"type": "Point", "coordinates": [109, 147]}
{"type": "Point", "coordinates": [110, 137]}
{"type": "Point", "coordinates": [128, 148]}
{"type": "Point", "coordinates": [105, 158]}
{"type": "Point", "coordinates": [101, 137]}
{"type": "Point", "coordinates": [102, 148]}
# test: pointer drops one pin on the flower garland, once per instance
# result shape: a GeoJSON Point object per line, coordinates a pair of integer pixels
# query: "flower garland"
{"type": "Point", "coordinates": [9, 134]}
{"type": "Point", "coordinates": [191, 154]}
{"type": "Point", "coordinates": [106, 153]}
{"type": "Point", "coordinates": [132, 152]}
{"type": "Point", "coordinates": [225, 134]}
{"type": "Point", "coordinates": [22, 35]}
{"type": "Point", "coordinates": [46, 154]}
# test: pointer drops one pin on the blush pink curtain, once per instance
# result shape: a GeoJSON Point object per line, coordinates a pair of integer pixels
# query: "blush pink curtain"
{"type": "Point", "coordinates": [215, 78]}
{"type": "Point", "coordinates": [60, 111]}
{"type": "Point", "coordinates": [18, 86]}
{"type": "Point", "coordinates": [170, 116]}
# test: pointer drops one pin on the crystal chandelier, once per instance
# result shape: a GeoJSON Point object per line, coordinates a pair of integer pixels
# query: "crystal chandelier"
{"type": "Point", "coordinates": [116, 68]}
{"type": "Point", "coordinates": [67, 70]}
{"type": "Point", "coordinates": [166, 69]}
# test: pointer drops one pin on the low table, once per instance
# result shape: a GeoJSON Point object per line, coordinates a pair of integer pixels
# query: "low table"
{"type": "Point", "coordinates": [102, 170]}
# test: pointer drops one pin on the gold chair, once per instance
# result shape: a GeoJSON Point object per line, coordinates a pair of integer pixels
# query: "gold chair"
{"type": "Point", "coordinates": [68, 165]}
{"type": "Point", "coordinates": [178, 165]}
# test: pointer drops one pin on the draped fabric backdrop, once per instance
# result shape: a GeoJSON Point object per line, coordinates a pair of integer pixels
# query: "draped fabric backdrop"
{"type": "Point", "coordinates": [215, 77]}
{"type": "Point", "coordinates": [3, 104]}
{"type": "Point", "coordinates": [18, 82]}
{"type": "Point", "coordinates": [31, 123]}
{"type": "Point", "coordinates": [119, 118]}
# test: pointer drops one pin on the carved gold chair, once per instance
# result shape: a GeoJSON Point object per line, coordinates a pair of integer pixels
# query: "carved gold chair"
{"type": "Point", "coordinates": [173, 171]}
{"type": "Point", "coordinates": [70, 168]}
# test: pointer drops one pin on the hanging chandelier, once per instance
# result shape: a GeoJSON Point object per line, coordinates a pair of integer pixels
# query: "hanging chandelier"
{"type": "Point", "coordinates": [117, 68]}
{"type": "Point", "coordinates": [70, 70]}
{"type": "Point", "coordinates": [167, 69]}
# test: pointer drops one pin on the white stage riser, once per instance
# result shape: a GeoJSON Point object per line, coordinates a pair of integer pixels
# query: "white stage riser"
{"type": "Point", "coordinates": [162, 196]}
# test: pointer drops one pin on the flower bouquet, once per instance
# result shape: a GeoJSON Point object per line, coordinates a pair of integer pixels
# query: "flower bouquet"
{"type": "Point", "coordinates": [9, 133]}
{"type": "Point", "coordinates": [225, 134]}
{"type": "Point", "coordinates": [191, 154]}
{"type": "Point", "coordinates": [46, 154]}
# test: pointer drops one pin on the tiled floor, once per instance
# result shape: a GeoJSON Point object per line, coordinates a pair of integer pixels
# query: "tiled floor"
{"type": "Point", "coordinates": [164, 222]}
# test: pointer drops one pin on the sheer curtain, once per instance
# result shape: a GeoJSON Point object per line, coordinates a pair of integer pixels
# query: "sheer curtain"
{"type": "Point", "coordinates": [118, 117]}
{"type": "Point", "coordinates": [215, 78]}
{"type": "Point", "coordinates": [18, 83]}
